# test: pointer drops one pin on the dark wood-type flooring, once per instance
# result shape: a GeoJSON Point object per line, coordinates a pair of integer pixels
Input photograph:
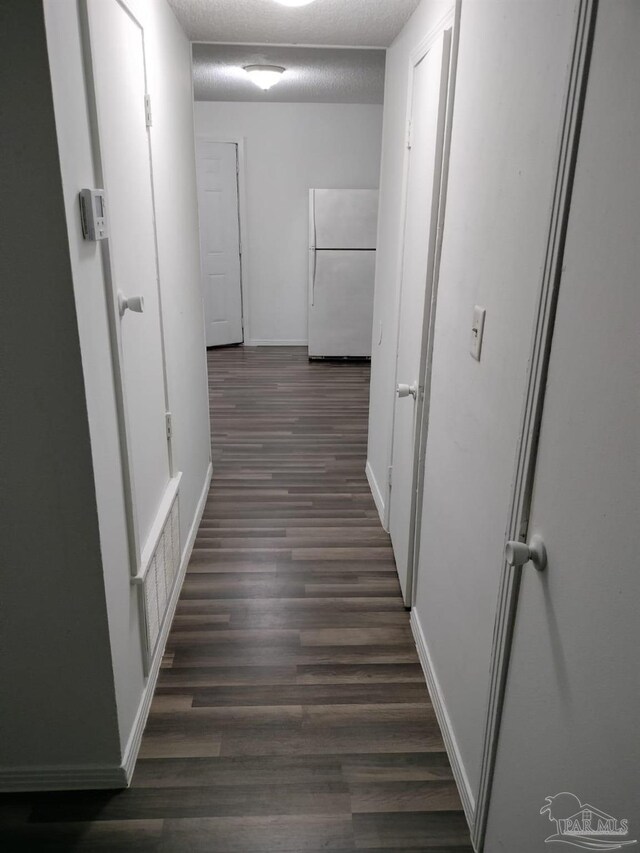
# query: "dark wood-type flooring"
{"type": "Point", "coordinates": [291, 713]}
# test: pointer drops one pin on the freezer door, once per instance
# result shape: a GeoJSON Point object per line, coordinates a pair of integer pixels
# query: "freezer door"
{"type": "Point", "coordinates": [344, 219]}
{"type": "Point", "coordinates": [341, 304]}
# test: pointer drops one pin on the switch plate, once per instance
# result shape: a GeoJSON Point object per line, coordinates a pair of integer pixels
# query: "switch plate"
{"type": "Point", "coordinates": [477, 330]}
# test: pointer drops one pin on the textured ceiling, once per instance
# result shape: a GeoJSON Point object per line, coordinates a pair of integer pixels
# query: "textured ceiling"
{"type": "Point", "coordinates": [321, 75]}
{"type": "Point", "coordinates": [372, 23]}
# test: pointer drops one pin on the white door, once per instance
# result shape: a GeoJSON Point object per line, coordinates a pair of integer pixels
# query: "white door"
{"type": "Point", "coordinates": [117, 54]}
{"type": "Point", "coordinates": [570, 719]}
{"type": "Point", "coordinates": [341, 303]}
{"type": "Point", "coordinates": [217, 171]}
{"type": "Point", "coordinates": [428, 110]}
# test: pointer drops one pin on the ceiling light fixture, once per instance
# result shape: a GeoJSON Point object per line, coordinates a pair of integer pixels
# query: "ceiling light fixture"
{"type": "Point", "coordinates": [264, 76]}
{"type": "Point", "coordinates": [294, 2]}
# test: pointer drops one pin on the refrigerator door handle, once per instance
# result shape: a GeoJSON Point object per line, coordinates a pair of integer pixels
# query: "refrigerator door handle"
{"type": "Point", "coordinates": [312, 234]}
{"type": "Point", "coordinates": [312, 275]}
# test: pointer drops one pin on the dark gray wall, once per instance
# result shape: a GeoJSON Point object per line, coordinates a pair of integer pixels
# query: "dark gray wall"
{"type": "Point", "coordinates": [58, 702]}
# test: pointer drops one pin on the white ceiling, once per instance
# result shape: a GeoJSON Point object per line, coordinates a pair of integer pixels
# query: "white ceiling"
{"type": "Point", "coordinates": [320, 75]}
{"type": "Point", "coordinates": [370, 23]}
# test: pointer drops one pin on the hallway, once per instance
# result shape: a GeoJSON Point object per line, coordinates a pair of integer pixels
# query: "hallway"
{"type": "Point", "coordinates": [291, 712]}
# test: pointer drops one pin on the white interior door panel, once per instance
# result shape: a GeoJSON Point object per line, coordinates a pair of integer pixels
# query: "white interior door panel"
{"type": "Point", "coordinates": [119, 76]}
{"type": "Point", "coordinates": [570, 717]}
{"type": "Point", "coordinates": [220, 241]}
{"type": "Point", "coordinates": [429, 98]}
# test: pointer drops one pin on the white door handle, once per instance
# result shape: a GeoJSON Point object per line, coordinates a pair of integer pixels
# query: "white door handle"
{"type": "Point", "coordinates": [132, 303]}
{"type": "Point", "coordinates": [519, 553]}
{"type": "Point", "coordinates": [407, 390]}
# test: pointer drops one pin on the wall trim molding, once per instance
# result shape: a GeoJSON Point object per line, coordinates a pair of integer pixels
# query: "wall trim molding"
{"type": "Point", "coordinates": [447, 20]}
{"type": "Point", "coordinates": [255, 342]}
{"type": "Point", "coordinates": [135, 738]}
{"type": "Point", "coordinates": [535, 384]}
{"type": "Point", "coordinates": [375, 492]}
{"type": "Point", "coordinates": [444, 721]}
{"type": "Point", "coordinates": [62, 777]}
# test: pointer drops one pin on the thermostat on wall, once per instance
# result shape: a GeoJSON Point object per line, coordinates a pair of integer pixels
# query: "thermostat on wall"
{"type": "Point", "coordinates": [93, 214]}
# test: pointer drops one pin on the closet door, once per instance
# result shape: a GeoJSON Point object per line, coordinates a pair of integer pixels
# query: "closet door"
{"type": "Point", "coordinates": [217, 169]}
{"type": "Point", "coordinates": [428, 110]}
{"type": "Point", "coordinates": [570, 719]}
{"type": "Point", "coordinates": [119, 78]}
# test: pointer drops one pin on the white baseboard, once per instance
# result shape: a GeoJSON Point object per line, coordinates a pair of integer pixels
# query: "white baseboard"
{"type": "Point", "coordinates": [375, 491]}
{"type": "Point", "coordinates": [81, 777]}
{"type": "Point", "coordinates": [135, 738]}
{"type": "Point", "coordinates": [255, 342]}
{"type": "Point", "coordinates": [451, 745]}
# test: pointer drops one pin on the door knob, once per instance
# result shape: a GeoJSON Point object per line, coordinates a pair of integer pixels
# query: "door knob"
{"type": "Point", "coordinates": [406, 390]}
{"type": "Point", "coordinates": [519, 553]}
{"type": "Point", "coordinates": [132, 303]}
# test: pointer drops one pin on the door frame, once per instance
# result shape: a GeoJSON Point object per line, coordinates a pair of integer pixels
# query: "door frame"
{"type": "Point", "coordinates": [535, 387]}
{"type": "Point", "coordinates": [240, 143]}
{"type": "Point", "coordinates": [450, 21]}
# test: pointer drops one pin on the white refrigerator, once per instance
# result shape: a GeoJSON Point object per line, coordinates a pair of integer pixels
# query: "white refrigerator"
{"type": "Point", "coordinates": [342, 253]}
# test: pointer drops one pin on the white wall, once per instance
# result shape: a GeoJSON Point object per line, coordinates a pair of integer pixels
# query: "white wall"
{"type": "Point", "coordinates": [169, 81]}
{"type": "Point", "coordinates": [290, 148]}
{"type": "Point", "coordinates": [385, 310]}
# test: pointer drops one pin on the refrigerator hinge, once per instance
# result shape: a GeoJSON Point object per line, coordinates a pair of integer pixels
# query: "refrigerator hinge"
{"type": "Point", "coordinates": [168, 425]}
{"type": "Point", "coordinates": [409, 140]}
{"type": "Point", "coordinates": [390, 475]}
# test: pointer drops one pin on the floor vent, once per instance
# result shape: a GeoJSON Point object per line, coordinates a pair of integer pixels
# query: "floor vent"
{"type": "Point", "coordinates": [160, 576]}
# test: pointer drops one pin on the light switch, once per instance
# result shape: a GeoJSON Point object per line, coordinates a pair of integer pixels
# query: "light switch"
{"type": "Point", "coordinates": [477, 330]}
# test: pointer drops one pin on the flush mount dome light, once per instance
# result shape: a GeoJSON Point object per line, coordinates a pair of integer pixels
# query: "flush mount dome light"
{"type": "Point", "coordinates": [264, 76]}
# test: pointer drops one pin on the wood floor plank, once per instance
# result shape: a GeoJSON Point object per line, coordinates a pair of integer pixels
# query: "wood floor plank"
{"type": "Point", "coordinates": [359, 674]}
{"type": "Point", "coordinates": [167, 744]}
{"type": "Point", "coordinates": [397, 635]}
{"type": "Point", "coordinates": [396, 767]}
{"type": "Point", "coordinates": [91, 836]}
{"type": "Point", "coordinates": [238, 771]}
{"type": "Point", "coordinates": [378, 797]}
{"type": "Point", "coordinates": [148, 803]}
{"type": "Point", "coordinates": [424, 831]}
{"type": "Point", "coordinates": [375, 695]}
{"type": "Point", "coordinates": [209, 654]}
{"type": "Point", "coordinates": [181, 678]}
{"type": "Point", "coordinates": [272, 834]}
{"type": "Point", "coordinates": [291, 713]}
